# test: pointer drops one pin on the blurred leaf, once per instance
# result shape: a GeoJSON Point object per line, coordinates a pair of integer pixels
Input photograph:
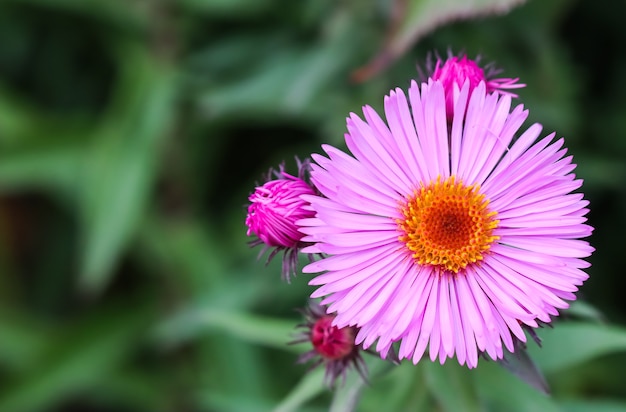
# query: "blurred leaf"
{"type": "Point", "coordinates": [585, 311]}
{"type": "Point", "coordinates": [602, 172]}
{"type": "Point", "coordinates": [412, 19]}
{"type": "Point", "coordinates": [502, 391]}
{"type": "Point", "coordinates": [595, 405]}
{"type": "Point", "coordinates": [122, 165]}
{"type": "Point", "coordinates": [270, 89]}
{"type": "Point", "coordinates": [21, 122]}
{"type": "Point", "coordinates": [197, 258]}
{"type": "Point", "coordinates": [38, 150]}
{"type": "Point", "coordinates": [522, 366]}
{"type": "Point", "coordinates": [230, 8]}
{"type": "Point", "coordinates": [403, 389]}
{"type": "Point", "coordinates": [216, 401]}
{"type": "Point", "coordinates": [123, 12]}
{"type": "Point", "coordinates": [22, 341]}
{"type": "Point", "coordinates": [310, 386]}
{"type": "Point", "coordinates": [81, 357]}
{"type": "Point", "coordinates": [286, 82]}
{"type": "Point", "coordinates": [233, 375]}
{"type": "Point", "coordinates": [54, 168]}
{"type": "Point", "coordinates": [270, 332]}
{"type": "Point", "coordinates": [191, 253]}
{"type": "Point", "coordinates": [451, 385]}
{"type": "Point", "coordinates": [135, 389]}
{"type": "Point", "coordinates": [348, 397]}
{"type": "Point", "coordinates": [571, 343]}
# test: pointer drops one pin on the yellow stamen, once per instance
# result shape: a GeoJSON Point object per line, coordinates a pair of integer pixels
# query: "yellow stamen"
{"type": "Point", "coordinates": [447, 224]}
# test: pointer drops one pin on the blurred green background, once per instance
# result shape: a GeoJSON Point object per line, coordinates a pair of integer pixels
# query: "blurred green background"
{"type": "Point", "coordinates": [131, 133]}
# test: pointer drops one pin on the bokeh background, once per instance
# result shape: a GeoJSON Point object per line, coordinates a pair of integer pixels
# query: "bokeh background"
{"type": "Point", "coordinates": [132, 132]}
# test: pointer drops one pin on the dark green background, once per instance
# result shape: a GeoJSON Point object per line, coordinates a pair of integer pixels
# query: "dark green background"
{"type": "Point", "coordinates": [131, 133]}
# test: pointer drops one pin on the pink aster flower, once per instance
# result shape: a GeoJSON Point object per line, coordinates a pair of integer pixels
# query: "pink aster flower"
{"type": "Point", "coordinates": [274, 210]}
{"type": "Point", "coordinates": [446, 236]}
{"type": "Point", "coordinates": [454, 71]}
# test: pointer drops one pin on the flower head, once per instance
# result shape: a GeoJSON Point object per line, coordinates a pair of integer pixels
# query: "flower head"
{"type": "Point", "coordinates": [455, 70]}
{"type": "Point", "coordinates": [274, 210]}
{"type": "Point", "coordinates": [332, 346]}
{"type": "Point", "coordinates": [444, 234]}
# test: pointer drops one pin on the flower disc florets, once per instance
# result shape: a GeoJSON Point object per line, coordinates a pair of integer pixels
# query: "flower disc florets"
{"type": "Point", "coordinates": [447, 225]}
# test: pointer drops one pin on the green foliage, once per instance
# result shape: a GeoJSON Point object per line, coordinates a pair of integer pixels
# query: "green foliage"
{"type": "Point", "coordinates": [132, 131]}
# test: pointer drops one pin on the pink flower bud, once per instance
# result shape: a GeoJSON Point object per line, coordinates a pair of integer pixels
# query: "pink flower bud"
{"type": "Point", "coordinates": [274, 211]}
{"type": "Point", "coordinates": [455, 71]}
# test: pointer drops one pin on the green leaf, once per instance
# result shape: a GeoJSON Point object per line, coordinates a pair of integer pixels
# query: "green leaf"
{"type": "Point", "coordinates": [287, 82]}
{"type": "Point", "coordinates": [189, 250]}
{"type": "Point", "coordinates": [571, 343]}
{"type": "Point", "coordinates": [81, 356]}
{"type": "Point", "coordinates": [502, 391]}
{"type": "Point", "coordinates": [122, 12]}
{"type": "Point", "coordinates": [134, 389]}
{"type": "Point", "coordinates": [422, 16]}
{"type": "Point", "coordinates": [403, 389]}
{"type": "Point", "coordinates": [226, 402]}
{"type": "Point", "coordinates": [413, 19]}
{"type": "Point", "coordinates": [451, 385]}
{"type": "Point", "coordinates": [595, 405]}
{"type": "Point", "coordinates": [230, 8]}
{"type": "Point", "coordinates": [122, 164]}
{"type": "Point", "coordinates": [39, 150]}
{"type": "Point", "coordinates": [310, 386]}
{"type": "Point", "coordinates": [250, 328]}
{"type": "Point", "coordinates": [22, 341]}
{"type": "Point", "coordinates": [348, 397]}
{"type": "Point", "coordinates": [585, 311]}
{"type": "Point", "coordinates": [602, 172]}
{"type": "Point", "coordinates": [53, 168]}
{"type": "Point", "coordinates": [523, 366]}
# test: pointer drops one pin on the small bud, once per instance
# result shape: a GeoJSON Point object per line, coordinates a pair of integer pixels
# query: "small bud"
{"type": "Point", "coordinates": [331, 342]}
{"type": "Point", "coordinates": [455, 71]}
{"type": "Point", "coordinates": [332, 346]}
{"type": "Point", "coordinates": [274, 209]}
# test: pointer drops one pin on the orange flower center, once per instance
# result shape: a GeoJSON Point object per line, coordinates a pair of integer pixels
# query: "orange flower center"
{"type": "Point", "coordinates": [447, 224]}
